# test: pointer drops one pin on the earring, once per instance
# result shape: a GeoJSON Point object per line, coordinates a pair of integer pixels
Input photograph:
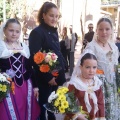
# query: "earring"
{"type": "Point", "coordinates": [4, 37]}
{"type": "Point", "coordinates": [111, 37]}
{"type": "Point", "coordinates": [97, 36]}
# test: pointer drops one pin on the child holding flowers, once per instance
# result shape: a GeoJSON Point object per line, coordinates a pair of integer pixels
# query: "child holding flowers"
{"type": "Point", "coordinates": [87, 88]}
{"type": "Point", "coordinates": [14, 61]}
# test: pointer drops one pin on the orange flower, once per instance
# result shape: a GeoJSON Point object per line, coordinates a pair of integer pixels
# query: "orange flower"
{"type": "Point", "coordinates": [9, 79]}
{"type": "Point", "coordinates": [13, 87]}
{"type": "Point", "coordinates": [39, 57]}
{"type": "Point", "coordinates": [44, 68]}
{"type": "Point", "coordinates": [55, 73]}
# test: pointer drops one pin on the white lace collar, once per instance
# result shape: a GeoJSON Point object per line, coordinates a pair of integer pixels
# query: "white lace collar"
{"type": "Point", "coordinates": [6, 53]}
{"type": "Point", "coordinates": [79, 85]}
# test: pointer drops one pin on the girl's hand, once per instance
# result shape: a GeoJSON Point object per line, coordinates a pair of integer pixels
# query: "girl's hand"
{"type": "Point", "coordinates": [81, 117]}
{"type": "Point", "coordinates": [52, 81]}
{"type": "Point", "coordinates": [36, 93]}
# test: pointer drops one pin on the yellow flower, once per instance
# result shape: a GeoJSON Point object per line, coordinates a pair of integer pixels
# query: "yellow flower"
{"type": "Point", "coordinates": [65, 90]}
{"type": "Point", "coordinates": [50, 63]}
{"type": "Point", "coordinates": [61, 109]}
{"type": "Point", "coordinates": [0, 87]}
{"type": "Point", "coordinates": [62, 90]}
{"type": "Point", "coordinates": [65, 104]}
{"type": "Point", "coordinates": [56, 103]}
{"type": "Point", "coordinates": [62, 97]}
{"type": "Point", "coordinates": [118, 90]}
{"type": "Point", "coordinates": [59, 92]}
{"type": "Point", "coordinates": [4, 88]}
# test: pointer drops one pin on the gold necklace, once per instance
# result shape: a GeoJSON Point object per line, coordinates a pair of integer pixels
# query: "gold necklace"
{"type": "Point", "coordinates": [103, 44]}
{"type": "Point", "coordinates": [89, 84]}
{"type": "Point", "coordinates": [13, 45]}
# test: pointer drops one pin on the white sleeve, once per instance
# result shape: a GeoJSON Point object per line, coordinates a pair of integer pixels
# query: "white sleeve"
{"type": "Point", "coordinates": [26, 50]}
{"type": "Point", "coordinates": [4, 52]}
{"type": "Point", "coordinates": [1, 47]}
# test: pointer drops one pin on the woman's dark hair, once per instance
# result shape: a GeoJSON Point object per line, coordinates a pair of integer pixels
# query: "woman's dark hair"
{"type": "Point", "coordinates": [63, 35]}
{"type": "Point", "coordinates": [12, 20]}
{"type": "Point", "coordinates": [87, 56]}
{"type": "Point", "coordinates": [44, 9]}
{"type": "Point", "coordinates": [106, 20]}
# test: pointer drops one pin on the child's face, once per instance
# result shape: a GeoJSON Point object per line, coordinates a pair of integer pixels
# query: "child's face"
{"type": "Point", "coordinates": [88, 69]}
{"type": "Point", "coordinates": [12, 32]}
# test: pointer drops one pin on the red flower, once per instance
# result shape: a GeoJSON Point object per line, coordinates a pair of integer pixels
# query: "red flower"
{"type": "Point", "coordinates": [44, 68]}
{"type": "Point", "coordinates": [55, 73]}
{"type": "Point", "coordinates": [39, 57]}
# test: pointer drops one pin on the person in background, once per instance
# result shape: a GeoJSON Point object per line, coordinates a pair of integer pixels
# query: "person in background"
{"type": "Point", "coordinates": [25, 35]}
{"type": "Point", "coordinates": [88, 88]}
{"type": "Point", "coordinates": [90, 34]}
{"type": "Point", "coordinates": [117, 39]}
{"type": "Point", "coordinates": [45, 37]}
{"type": "Point", "coordinates": [118, 45]}
{"type": "Point", "coordinates": [73, 38]}
{"type": "Point", "coordinates": [104, 48]}
{"type": "Point", "coordinates": [14, 57]}
{"type": "Point", "coordinates": [65, 47]}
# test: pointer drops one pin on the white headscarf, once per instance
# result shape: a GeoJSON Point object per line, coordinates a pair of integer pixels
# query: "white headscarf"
{"type": "Point", "coordinates": [77, 71]}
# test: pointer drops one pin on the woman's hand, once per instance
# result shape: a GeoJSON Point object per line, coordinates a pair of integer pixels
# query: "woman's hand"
{"type": "Point", "coordinates": [52, 81]}
{"type": "Point", "coordinates": [36, 93]}
{"type": "Point", "coordinates": [81, 117]}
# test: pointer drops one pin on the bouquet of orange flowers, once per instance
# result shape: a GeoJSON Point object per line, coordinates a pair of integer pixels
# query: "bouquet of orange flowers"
{"type": "Point", "coordinates": [6, 84]}
{"type": "Point", "coordinates": [47, 62]}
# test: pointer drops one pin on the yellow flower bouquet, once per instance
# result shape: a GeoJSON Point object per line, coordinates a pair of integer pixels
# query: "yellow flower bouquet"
{"type": "Point", "coordinates": [6, 84]}
{"type": "Point", "coordinates": [63, 101]}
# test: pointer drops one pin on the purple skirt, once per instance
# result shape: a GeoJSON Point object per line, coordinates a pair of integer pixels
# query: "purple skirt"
{"type": "Point", "coordinates": [21, 106]}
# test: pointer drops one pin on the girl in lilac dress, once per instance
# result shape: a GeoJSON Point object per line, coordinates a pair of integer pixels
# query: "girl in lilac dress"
{"type": "Point", "coordinates": [15, 56]}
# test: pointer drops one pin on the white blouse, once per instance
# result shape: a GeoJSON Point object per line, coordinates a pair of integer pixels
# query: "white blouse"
{"type": "Point", "coordinates": [106, 59]}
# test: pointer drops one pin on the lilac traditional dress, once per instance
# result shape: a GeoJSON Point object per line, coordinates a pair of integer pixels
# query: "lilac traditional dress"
{"type": "Point", "coordinates": [22, 105]}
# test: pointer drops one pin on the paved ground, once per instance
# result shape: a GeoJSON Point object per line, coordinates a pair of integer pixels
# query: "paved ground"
{"type": "Point", "coordinates": [76, 56]}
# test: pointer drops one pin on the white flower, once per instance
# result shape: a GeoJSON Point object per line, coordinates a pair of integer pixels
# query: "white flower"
{"type": "Point", "coordinates": [2, 78]}
{"type": "Point", "coordinates": [48, 57]}
{"type": "Point", "coordinates": [50, 63]}
{"type": "Point", "coordinates": [52, 97]}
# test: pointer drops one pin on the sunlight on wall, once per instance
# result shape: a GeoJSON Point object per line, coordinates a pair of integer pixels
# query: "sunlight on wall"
{"type": "Point", "coordinates": [72, 9]}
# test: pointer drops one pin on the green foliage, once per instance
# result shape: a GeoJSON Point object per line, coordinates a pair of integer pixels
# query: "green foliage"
{"type": "Point", "coordinates": [7, 9]}
{"type": "Point", "coordinates": [117, 71]}
{"type": "Point", "coordinates": [73, 107]}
